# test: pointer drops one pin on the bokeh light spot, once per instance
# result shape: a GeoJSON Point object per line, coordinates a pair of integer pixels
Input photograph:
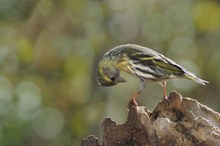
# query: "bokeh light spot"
{"type": "Point", "coordinates": [6, 95]}
{"type": "Point", "coordinates": [206, 15]}
{"type": "Point", "coordinates": [124, 26]}
{"type": "Point", "coordinates": [48, 124]}
{"type": "Point", "coordinates": [25, 50]}
{"type": "Point", "coordinates": [29, 96]}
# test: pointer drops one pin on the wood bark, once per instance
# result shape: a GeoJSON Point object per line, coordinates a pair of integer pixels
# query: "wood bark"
{"type": "Point", "coordinates": [178, 121]}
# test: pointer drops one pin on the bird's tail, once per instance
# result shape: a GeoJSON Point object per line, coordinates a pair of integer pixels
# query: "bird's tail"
{"type": "Point", "coordinates": [193, 77]}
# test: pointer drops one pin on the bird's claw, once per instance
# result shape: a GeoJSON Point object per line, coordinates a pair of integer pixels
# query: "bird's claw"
{"type": "Point", "coordinates": [165, 98]}
{"type": "Point", "coordinates": [132, 103]}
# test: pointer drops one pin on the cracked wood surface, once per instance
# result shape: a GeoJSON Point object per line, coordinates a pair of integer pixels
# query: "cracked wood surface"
{"type": "Point", "coordinates": [180, 121]}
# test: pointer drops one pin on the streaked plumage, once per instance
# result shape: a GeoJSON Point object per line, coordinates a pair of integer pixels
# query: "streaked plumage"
{"type": "Point", "coordinates": [142, 62]}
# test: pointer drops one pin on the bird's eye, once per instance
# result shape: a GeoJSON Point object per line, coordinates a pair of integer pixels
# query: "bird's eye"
{"type": "Point", "coordinates": [112, 79]}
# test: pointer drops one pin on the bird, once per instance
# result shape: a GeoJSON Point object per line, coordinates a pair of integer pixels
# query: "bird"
{"type": "Point", "coordinates": [143, 63]}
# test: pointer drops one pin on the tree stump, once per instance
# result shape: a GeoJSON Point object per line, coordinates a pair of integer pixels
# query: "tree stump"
{"type": "Point", "coordinates": [181, 121]}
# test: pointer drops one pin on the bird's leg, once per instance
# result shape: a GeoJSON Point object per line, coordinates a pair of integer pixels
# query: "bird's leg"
{"type": "Point", "coordinates": [141, 88]}
{"type": "Point", "coordinates": [164, 90]}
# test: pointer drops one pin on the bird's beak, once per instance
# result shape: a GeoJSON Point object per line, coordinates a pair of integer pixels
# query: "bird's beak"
{"type": "Point", "coordinates": [121, 80]}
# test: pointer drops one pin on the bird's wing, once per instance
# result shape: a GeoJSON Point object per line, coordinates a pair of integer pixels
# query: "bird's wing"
{"type": "Point", "coordinates": [155, 64]}
{"type": "Point", "coordinates": [149, 64]}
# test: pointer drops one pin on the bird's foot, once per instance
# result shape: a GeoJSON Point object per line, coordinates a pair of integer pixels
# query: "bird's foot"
{"type": "Point", "coordinates": [132, 102]}
{"type": "Point", "coordinates": [165, 98]}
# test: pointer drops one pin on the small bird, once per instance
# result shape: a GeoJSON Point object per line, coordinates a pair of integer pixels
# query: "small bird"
{"type": "Point", "coordinates": [142, 62]}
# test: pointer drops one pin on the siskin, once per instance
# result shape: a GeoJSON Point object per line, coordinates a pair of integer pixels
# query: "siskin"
{"type": "Point", "coordinates": [142, 62]}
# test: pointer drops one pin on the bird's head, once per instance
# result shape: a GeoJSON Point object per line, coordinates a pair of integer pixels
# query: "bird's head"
{"type": "Point", "coordinates": [108, 74]}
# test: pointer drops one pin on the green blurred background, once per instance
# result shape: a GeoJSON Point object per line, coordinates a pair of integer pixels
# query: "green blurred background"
{"type": "Point", "coordinates": [49, 50]}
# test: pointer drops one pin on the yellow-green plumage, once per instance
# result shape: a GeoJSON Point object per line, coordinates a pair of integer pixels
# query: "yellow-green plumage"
{"type": "Point", "coordinates": [142, 62]}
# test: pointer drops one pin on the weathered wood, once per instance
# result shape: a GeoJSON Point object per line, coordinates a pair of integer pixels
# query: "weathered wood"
{"type": "Point", "coordinates": [180, 121]}
{"type": "Point", "coordinates": [90, 141]}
